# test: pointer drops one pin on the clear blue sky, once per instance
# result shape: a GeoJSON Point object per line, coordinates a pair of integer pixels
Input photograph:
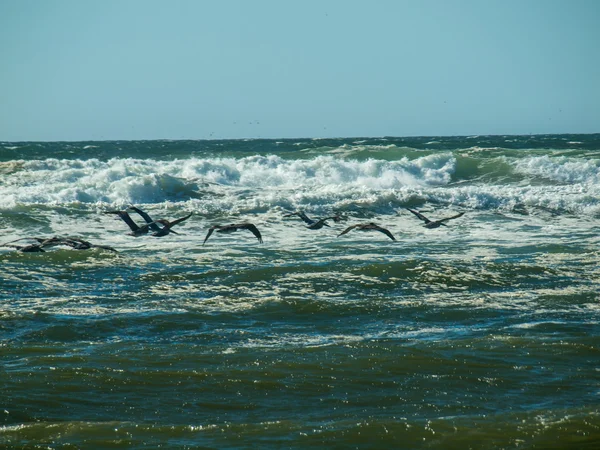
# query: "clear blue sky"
{"type": "Point", "coordinates": [197, 69]}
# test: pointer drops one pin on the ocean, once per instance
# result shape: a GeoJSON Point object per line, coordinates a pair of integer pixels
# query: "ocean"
{"type": "Point", "coordinates": [480, 334]}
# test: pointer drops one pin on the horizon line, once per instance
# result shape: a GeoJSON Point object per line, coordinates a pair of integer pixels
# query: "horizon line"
{"type": "Point", "coordinates": [297, 138]}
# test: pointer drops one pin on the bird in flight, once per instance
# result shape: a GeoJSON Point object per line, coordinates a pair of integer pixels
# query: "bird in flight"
{"type": "Point", "coordinates": [43, 243]}
{"type": "Point", "coordinates": [368, 227]}
{"type": "Point", "coordinates": [434, 223]}
{"type": "Point", "coordinates": [313, 224]}
{"type": "Point", "coordinates": [139, 230]}
{"type": "Point", "coordinates": [233, 228]}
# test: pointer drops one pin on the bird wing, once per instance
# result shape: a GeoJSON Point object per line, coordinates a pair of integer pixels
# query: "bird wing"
{"type": "Point", "coordinates": [166, 228]}
{"type": "Point", "coordinates": [125, 217]}
{"type": "Point", "coordinates": [450, 218]}
{"type": "Point", "coordinates": [105, 247]}
{"type": "Point", "coordinates": [304, 217]}
{"type": "Point", "coordinates": [181, 219]}
{"type": "Point", "coordinates": [347, 230]}
{"type": "Point", "coordinates": [419, 215]}
{"type": "Point", "coordinates": [49, 242]}
{"type": "Point", "coordinates": [31, 248]}
{"type": "Point", "coordinates": [251, 227]}
{"type": "Point", "coordinates": [210, 231]}
{"type": "Point", "coordinates": [318, 224]}
{"type": "Point", "coordinates": [151, 223]}
{"type": "Point", "coordinates": [20, 239]}
{"type": "Point", "coordinates": [386, 232]}
{"type": "Point", "coordinates": [80, 244]}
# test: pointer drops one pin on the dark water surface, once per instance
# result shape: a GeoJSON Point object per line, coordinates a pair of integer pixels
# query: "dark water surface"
{"type": "Point", "coordinates": [481, 334]}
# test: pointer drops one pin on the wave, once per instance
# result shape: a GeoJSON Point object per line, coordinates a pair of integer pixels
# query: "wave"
{"type": "Point", "coordinates": [126, 180]}
{"type": "Point", "coordinates": [258, 183]}
{"type": "Point", "coordinates": [560, 169]}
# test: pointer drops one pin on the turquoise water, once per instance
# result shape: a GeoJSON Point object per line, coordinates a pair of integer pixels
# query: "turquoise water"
{"type": "Point", "coordinates": [481, 334]}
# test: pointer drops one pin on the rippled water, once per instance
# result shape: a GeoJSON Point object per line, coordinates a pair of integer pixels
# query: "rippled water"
{"type": "Point", "coordinates": [481, 334]}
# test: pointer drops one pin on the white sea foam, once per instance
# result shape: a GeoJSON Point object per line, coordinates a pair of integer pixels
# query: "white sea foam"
{"type": "Point", "coordinates": [261, 183]}
{"type": "Point", "coordinates": [54, 181]}
{"type": "Point", "coordinates": [560, 169]}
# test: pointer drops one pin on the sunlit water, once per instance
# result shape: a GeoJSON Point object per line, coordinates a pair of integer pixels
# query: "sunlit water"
{"type": "Point", "coordinates": [481, 334]}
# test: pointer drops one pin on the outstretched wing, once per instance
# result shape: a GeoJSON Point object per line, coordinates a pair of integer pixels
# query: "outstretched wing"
{"type": "Point", "coordinates": [336, 219]}
{"type": "Point", "coordinates": [125, 218]}
{"type": "Point", "coordinates": [181, 219]}
{"type": "Point", "coordinates": [349, 229]}
{"type": "Point", "coordinates": [419, 215]}
{"type": "Point", "coordinates": [151, 223]}
{"type": "Point", "coordinates": [303, 216]}
{"type": "Point", "coordinates": [386, 232]}
{"type": "Point", "coordinates": [254, 230]}
{"type": "Point", "coordinates": [450, 218]}
{"type": "Point", "coordinates": [31, 248]}
{"type": "Point", "coordinates": [210, 231]}
{"type": "Point", "coordinates": [49, 242]}
{"type": "Point", "coordinates": [318, 224]}
{"type": "Point", "coordinates": [81, 244]}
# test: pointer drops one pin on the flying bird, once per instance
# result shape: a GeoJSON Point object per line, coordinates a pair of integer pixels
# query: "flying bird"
{"type": "Point", "coordinates": [80, 244]}
{"type": "Point", "coordinates": [368, 227]}
{"type": "Point", "coordinates": [302, 215]}
{"type": "Point", "coordinates": [167, 225]}
{"type": "Point", "coordinates": [434, 223]}
{"type": "Point", "coordinates": [150, 225]}
{"type": "Point", "coordinates": [30, 248]}
{"type": "Point", "coordinates": [318, 224]}
{"type": "Point", "coordinates": [233, 228]}
{"type": "Point", "coordinates": [39, 246]}
{"type": "Point", "coordinates": [313, 224]}
{"type": "Point", "coordinates": [43, 243]}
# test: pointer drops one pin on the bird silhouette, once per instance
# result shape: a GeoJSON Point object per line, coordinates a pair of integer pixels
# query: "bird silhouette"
{"type": "Point", "coordinates": [368, 227]}
{"type": "Point", "coordinates": [150, 225]}
{"type": "Point", "coordinates": [434, 223]}
{"type": "Point", "coordinates": [233, 228]}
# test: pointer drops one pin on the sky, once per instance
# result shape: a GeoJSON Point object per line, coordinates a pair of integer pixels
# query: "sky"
{"type": "Point", "coordinates": [73, 70]}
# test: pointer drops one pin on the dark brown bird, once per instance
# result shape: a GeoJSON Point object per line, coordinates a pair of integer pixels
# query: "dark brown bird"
{"type": "Point", "coordinates": [31, 248]}
{"type": "Point", "coordinates": [80, 244]}
{"type": "Point", "coordinates": [313, 224]}
{"type": "Point", "coordinates": [139, 230]}
{"type": "Point", "coordinates": [233, 228]}
{"type": "Point", "coordinates": [368, 227]}
{"type": "Point", "coordinates": [43, 243]}
{"type": "Point", "coordinates": [434, 223]}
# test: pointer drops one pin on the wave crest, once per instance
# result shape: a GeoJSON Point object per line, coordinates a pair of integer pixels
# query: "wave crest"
{"type": "Point", "coordinates": [125, 180]}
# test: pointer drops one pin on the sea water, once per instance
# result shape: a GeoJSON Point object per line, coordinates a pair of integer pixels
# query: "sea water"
{"type": "Point", "coordinates": [480, 334]}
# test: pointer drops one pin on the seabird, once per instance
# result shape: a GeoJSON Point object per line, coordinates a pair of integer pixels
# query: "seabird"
{"type": "Point", "coordinates": [318, 224]}
{"type": "Point", "coordinates": [302, 215]}
{"type": "Point", "coordinates": [137, 230]}
{"type": "Point", "coordinates": [42, 243]}
{"type": "Point", "coordinates": [311, 223]}
{"type": "Point", "coordinates": [433, 223]}
{"type": "Point", "coordinates": [30, 248]}
{"type": "Point", "coordinates": [167, 224]}
{"type": "Point", "coordinates": [368, 227]}
{"type": "Point", "coordinates": [80, 244]}
{"type": "Point", "coordinates": [233, 228]}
